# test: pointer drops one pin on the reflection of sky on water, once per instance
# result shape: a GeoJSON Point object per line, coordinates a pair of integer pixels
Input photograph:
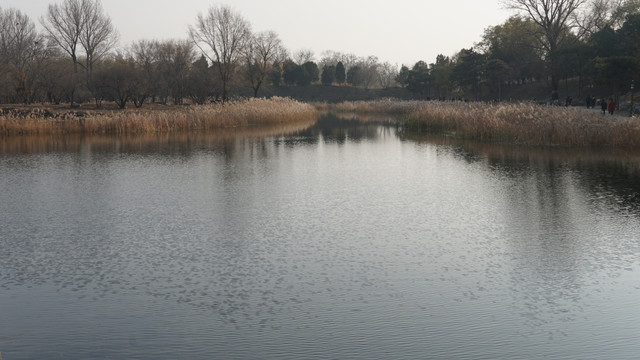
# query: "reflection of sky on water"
{"type": "Point", "coordinates": [339, 239]}
{"type": "Point", "coordinates": [572, 224]}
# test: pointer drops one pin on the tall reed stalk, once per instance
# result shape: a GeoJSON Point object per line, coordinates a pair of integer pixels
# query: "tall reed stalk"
{"type": "Point", "coordinates": [522, 123]}
{"type": "Point", "coordinates": [235, 114]}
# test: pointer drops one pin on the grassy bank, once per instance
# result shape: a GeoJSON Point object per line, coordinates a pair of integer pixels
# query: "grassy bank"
{"type": "Point", "coordinates": [229, 115]}
{"type": "Point", "coordinates": [522, 123]}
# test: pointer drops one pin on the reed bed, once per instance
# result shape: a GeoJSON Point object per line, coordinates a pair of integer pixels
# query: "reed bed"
{"type": "Point", "coordinates": [522, 123]}
{"type": "Point", "coordinates": [204, 117]}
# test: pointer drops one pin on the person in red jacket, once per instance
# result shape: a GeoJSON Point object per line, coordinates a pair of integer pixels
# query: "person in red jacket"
{"type": "Point", "coordinates": [612, 106]}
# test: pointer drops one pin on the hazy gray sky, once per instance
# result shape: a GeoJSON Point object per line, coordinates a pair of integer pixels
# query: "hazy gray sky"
{"type": "Point", "coordinates": [398, 31]}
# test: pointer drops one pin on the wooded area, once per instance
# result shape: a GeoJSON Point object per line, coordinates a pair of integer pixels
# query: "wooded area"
{"type": "Point", "coordinates": [595, 42]}
{"type": "Point", "coordinates": [74, 57]}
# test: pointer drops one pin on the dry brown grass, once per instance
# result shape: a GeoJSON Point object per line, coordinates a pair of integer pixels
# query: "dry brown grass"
{"type": "Point", "coordinates": [522, 123]}
{"type": "Point", "coordinates": [321, 106]}
{"type": "Point", "coordinates": [205, 117]}
{"type": "Point", "coordinates": [386, 106]}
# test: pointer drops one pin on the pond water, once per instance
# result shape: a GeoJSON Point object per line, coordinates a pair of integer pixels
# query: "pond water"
{"type": "Point", "coordinates": [339, 240]}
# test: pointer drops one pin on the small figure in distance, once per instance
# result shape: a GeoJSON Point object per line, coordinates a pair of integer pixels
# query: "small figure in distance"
{"type": "Point", "coordinates": [568, 101]}
{"type": "Point", "coordinates": [603, 106]}
{"type": "Point", "coordinates": [612, 106]}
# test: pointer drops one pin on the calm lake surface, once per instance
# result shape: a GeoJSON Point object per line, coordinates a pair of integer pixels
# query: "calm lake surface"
{"type": "Point", "coordinates": [340, 240]}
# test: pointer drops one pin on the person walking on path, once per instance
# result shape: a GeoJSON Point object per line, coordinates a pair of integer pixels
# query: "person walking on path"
{"type": "Point", "coordinates": [603, 106]}
{"type": "Point", "coordinates": [612, 106]}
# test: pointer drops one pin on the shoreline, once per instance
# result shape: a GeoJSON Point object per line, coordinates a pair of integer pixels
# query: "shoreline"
{"type": "Point", "coordinates": [511, 123]}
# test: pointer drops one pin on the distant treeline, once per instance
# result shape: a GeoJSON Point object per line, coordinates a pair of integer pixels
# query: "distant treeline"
{"type": "Point", "coordinates": [596, 42]}
{"type": "Point", "coordinates": [74, 56]}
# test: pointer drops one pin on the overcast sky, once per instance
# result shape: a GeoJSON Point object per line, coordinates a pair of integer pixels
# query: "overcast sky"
{"type": "Point", "coordinates": [398, 31]}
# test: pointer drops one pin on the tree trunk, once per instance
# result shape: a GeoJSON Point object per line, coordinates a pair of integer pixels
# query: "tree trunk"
{"type": "Point", "coordinates": [555, 78]}
{"type": "Point", "coordinates": [224, 91]}
{"type": "Point", "coordinates": [555, 85]}
{"type": "Point", "coordinates": [255, 90]}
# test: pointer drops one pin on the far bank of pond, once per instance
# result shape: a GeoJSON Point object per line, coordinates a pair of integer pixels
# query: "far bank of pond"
{"type": "Point", "coordinates": [521, 123]}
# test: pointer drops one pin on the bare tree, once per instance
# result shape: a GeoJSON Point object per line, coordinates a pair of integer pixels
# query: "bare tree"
{"type": "Point", "coordinates": [80, 22]}
{"type": "Point", "coordinates": [19, 39]}
{"type": "Point", "coordinates": [595, 18]}
{"type": "Point", "coordinates": [145, 55]}
{"type": "Point", "coordinates": [221, 35]}
{"type": "Point", "coordinates": [20, 48]}
{"type": "Point", "coordinates": [174, 60]}
{"type": "Point", "coordinates": [97, 35]}
{"type": "Point", "coordinates": [387, 74]}
{"type": "Point", "coordinates": [369, 70]}
{"type": "Point", "coordinates": [604, 13]}
{"type": "Point", "coordinates": [555, 19]}
{"type": "Point", "coordinates": [349, 60]}
{"type": "Point", "coordinates": [57, 79]}
{"type": "Point", "coordinates": [263, 53]}
{"type": "Point", "coordinates": [329, 58]}
{"type": "Point", "coordinates": [63, 25]}
{"type": "Point", "coordinates": [116, 81]}
{"type": "Point", "coordinates": [303, 56]}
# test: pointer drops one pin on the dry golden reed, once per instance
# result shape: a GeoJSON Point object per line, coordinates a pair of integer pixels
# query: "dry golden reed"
{"type": "Point", "coordinates": [522, 123]}
{"type": "Point", "coordinates": [203, 117]}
